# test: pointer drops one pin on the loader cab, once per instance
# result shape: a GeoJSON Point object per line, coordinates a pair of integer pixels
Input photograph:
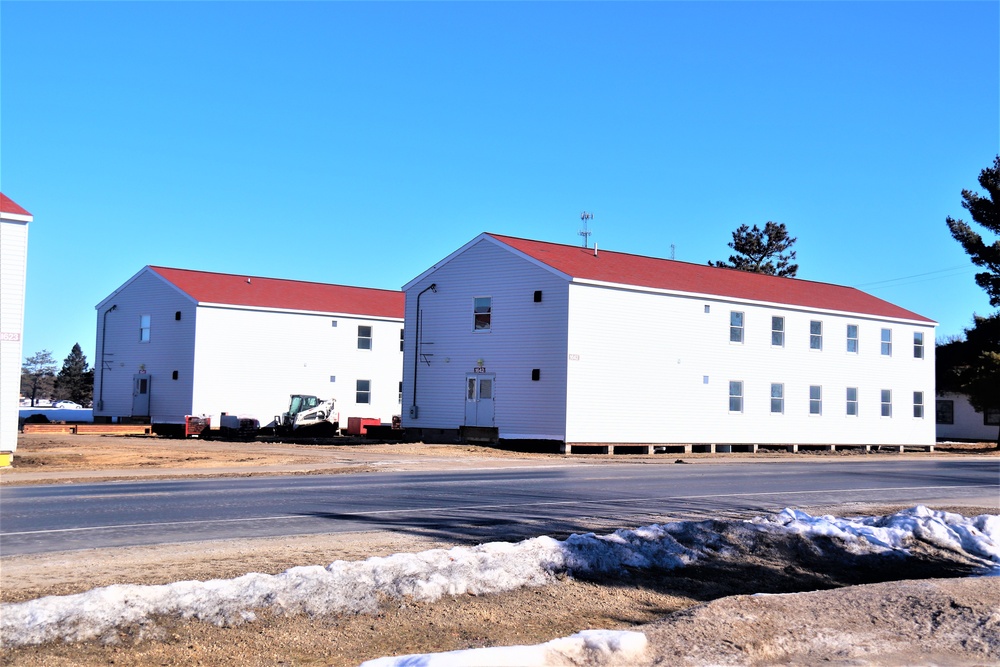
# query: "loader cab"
{"type": "Point", "coordinates": [301, 403]}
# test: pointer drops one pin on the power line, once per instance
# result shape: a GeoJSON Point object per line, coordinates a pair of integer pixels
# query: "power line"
{"type": "Point", "coordinates": [966, 267]}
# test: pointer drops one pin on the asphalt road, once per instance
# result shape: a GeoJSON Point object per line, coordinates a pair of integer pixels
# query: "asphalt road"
{"type": "Point", "coordinates": [465, 505]}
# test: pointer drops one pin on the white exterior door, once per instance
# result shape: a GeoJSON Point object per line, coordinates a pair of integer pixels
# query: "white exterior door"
{"type": "Point", "coordinates": [140, 395]}
{"type": "Point", "coordinates": [479, 393]}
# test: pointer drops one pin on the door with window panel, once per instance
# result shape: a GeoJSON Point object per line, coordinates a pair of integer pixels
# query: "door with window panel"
{"type": "Point", "coordinates": [479, 399]}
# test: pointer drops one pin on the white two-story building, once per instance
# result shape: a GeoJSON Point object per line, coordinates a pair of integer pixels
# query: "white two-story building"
{"type": "Point", "coordinates": [14, 222]}
{"type": "Point", "coordinates": [175, 342]}
{"type": "Point", "coordinates": [540, 341]}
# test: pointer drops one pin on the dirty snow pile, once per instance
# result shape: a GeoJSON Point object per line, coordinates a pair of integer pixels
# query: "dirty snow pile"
{"type": "Point", "coordinates": [356, 586]}
{"type": "Point", "coordinates": [590, 647]}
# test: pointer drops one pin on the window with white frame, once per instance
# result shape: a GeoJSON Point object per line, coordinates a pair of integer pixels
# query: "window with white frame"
{"type": "Point", "coordinates": [918, 404]}
{"type": "Point", "coordinates": [364, 392]}
{"type": "Point", "coordinates": [918, 344]}
{"type": "Point", "coordinates": [777, 331]}
{"type": "Point", "coordinates": [735, 396]}
{"type": "Point", "coordinates": [852, 338]}
{"type": "Point", "coordinates": [735, 326]}
{"type": "Point", "coordinates": [144, 322]}
{"type": "Point", "coordinates": [887, 402]}
{"type": "Point", "coordinates": [364, 337]}
{"type": "Point", "coordinates": [815, 399]}
{"type": "Point", "coordinates": [482, 313]}
{"type": "Point", "coordinates": [815, 335]}
{"type": "Point", "coordinates": [402, 338]}
{"type": "Point", "coordinates": [945, 412]}
{"type": "Point", "coordinates": [886, 342]}
{"type": "Point", "coordinates": [777, 397]}
{"type": "Point", "coordinates": [852, 401]}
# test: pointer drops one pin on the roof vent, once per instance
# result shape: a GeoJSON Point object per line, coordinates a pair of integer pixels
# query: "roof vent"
{"type": "Point", "coordinates": [248, 281]}
{"type": "Point", "coordinates": [595, 250]}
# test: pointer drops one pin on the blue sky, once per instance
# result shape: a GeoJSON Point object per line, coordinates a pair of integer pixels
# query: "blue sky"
{"type": "Point", "coordinates": [358, 143]}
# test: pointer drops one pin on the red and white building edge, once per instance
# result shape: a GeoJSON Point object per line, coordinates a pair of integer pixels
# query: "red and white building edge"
{"type": "Point", "coordinates": [545, 341]}
{"type": "Point", "coordinates": [176, 342]}
{"type": "Point", "coordinates": [13, 270]}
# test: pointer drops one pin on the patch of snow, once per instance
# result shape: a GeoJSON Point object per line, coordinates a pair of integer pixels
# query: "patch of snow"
{"type": "Point", "coordinates": [355, 586]}
{"type": "Point", "coordinates": [594, 648]}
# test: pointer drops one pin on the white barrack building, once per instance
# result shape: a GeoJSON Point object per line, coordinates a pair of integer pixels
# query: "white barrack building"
{"type": "Point", "coordinates": [521, 339]}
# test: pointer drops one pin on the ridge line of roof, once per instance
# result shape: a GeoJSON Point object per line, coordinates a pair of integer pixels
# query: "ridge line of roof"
{"type": "Point", "coordinates": [679, 261]}
{"type": "Point", "coordinates": [259, 277]}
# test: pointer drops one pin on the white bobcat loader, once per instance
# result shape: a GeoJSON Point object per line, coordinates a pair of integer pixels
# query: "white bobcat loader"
{"type": "Point", "coordinates": [308, 417]}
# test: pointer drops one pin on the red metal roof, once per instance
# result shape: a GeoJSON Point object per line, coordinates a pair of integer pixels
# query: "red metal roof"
{"type": "Point", "coordinates": [626, 269]}
{"type": "Point", "coordinates": [8, 205]}
{"type": "Point", "coordinates": [243, 290]}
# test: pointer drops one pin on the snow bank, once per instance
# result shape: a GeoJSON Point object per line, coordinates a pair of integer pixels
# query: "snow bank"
{"type": "Point", "coordinates": [977, 538]}
{"type": "Point", "coordinates": [594, 648]}
{"type": "Point", "coordinates": [356, 586]}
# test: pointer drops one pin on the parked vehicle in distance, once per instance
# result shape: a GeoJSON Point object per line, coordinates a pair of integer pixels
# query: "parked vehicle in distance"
{"type": "Point", "coordinates": [67, 405]}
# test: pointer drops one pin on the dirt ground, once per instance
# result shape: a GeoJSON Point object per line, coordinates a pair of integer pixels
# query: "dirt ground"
{"type": "Point", "coordinates": [711, 613]}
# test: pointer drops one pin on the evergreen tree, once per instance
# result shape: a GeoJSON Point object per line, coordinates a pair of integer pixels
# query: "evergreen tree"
{"type": "Point", "coordinates": [765, 250]}
{"type": "Point", "coordinates": [985, 211]}
{"type": "Point", "coordinates": [974, 364]}
{"type": "Point", "coordinates": [38, 376]}
{"type": "Point", "coordinates": [75, 381]}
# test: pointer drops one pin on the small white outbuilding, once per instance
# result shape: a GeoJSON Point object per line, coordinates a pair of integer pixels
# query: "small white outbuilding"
{"type": "Point", "coordinates": [522, 339]}
{"type": "Point", "coordinates": [13, 270]}
{"type": "Point", "coordinates": [176, 342]}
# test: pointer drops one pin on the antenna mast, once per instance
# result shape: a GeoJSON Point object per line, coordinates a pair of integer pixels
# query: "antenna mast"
{"type": "Point", "coordinates": [585, 233]}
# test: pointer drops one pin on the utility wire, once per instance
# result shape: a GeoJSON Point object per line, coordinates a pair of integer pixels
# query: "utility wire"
{"type": "Point", "coordinates": [966, 267]}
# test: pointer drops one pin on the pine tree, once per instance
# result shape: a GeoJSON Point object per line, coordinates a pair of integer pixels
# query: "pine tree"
{"type": "Point", "coordinates": [976, 372]}
{"type": "Point", "coordinates": [766, 251]}
{"type": "Point", "coordinates": [38, 376]}
{"type": "Point", "coordinates": [986, 212]}
{"type": "Point", "coordinates": [75, 381]}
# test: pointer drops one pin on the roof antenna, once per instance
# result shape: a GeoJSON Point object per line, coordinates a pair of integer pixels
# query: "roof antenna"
{"type": "Point", "coordinates": [585, 233]}
{"type": "Point", "coordinates": [672, 249]}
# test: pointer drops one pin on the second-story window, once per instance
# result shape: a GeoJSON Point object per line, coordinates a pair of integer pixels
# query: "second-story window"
{"type": "Point", "coordinates": [482, 313]}
{"type": "Point", "coordinates": [918, 345]}
{"type": "Point", "coordinates": [364, 337]}
{"type": "Point", "coordinates": [777, 331]}
{"type": "Point", "coordinates": [815, 335]}
{"type": "Point", "coordinates": [144, 321]}
{"type": "Point", "coordinates": [886, 342]}
{"type": "Point", "coordinates": [735, 326]}
{"type": "Point", "coordinates": [852, 338]}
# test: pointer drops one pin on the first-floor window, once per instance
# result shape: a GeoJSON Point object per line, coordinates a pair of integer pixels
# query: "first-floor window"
{"type": "Point", "coordinates": [918, 404]}
{"type": "Point", "coordinates": [735, 396]}
{"type": "Point", "coordinates": [815, 399]}
{"type": "Point", "coordinates": [144, 321]}
{"type": "Point", "coordinates": [777, 397]}
{"type": "Point", "coordinates": [991, 417]}
{"type": "Point", "coordinates": [887, 402]}
{"type": "Point", "coordinates": [400, 401]}
{"type": "Point", "coordinates": [852, 401]}
{"type": "Point", "coordinates": [364, 393]}
{"type": "Point", "coordinates": [945, 412]}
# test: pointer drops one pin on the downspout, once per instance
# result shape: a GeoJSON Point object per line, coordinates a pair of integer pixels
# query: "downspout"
{"type": "Point", "coordinates": [416, 350]}
{"type": "Point", "coordinates": [104, 330]}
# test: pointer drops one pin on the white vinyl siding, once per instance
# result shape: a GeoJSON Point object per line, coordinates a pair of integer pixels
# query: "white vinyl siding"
{"type": "Point", "coordinates": [13, 267]}
{"type": "Point", "coordinates": [639, 366]}
{"type": "Point", "coordinates": [524, 335]}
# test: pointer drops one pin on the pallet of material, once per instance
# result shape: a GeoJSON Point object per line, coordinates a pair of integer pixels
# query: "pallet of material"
{"type": "Point", "coordinates": [49, 428]}
{"type": "Point", "coordinates": [114, 429]}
